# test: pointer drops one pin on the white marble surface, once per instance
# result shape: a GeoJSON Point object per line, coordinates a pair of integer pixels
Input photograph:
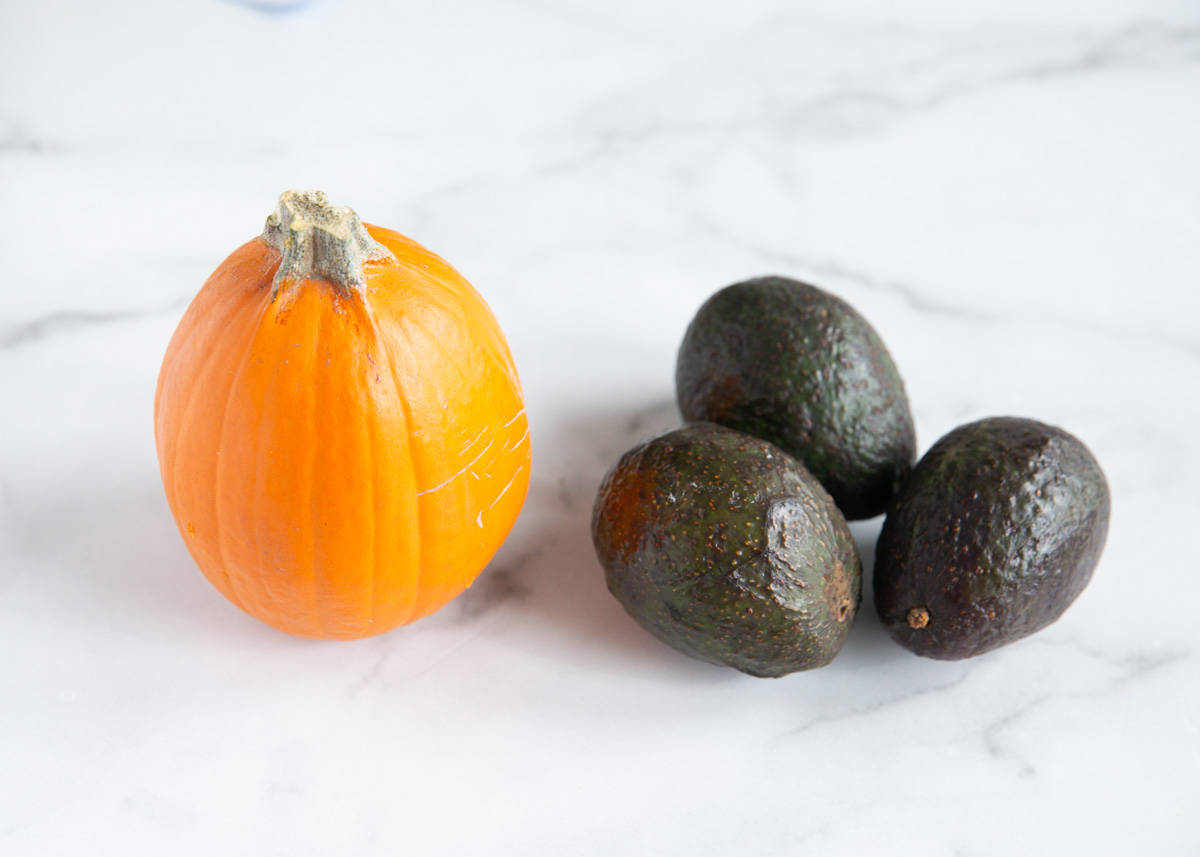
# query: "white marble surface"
{"type": "Point", "coordinates": [1008, 189]}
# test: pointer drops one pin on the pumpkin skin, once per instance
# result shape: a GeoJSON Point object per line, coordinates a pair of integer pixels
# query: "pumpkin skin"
{"type": "Point", "coordinates": [341, 458]}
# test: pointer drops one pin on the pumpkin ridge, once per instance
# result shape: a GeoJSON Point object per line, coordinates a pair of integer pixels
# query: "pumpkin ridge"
{"type": "Point", "coordinates": [455, 283]}
{"type": "Point", "coordinates": [402, 399]}
{"type": "Point", "coordinates": [211, 361]}
{"type": "Point", "coordinates": [470, 304]}
{"type": "Point", "coordinates": [434, 342]}
{"type": "Point", "coordinates": [185, 423]}
{"type": "Point", "coordinates": [271, 389]}
{"type": "Point", "coordinates": [219, 536]}
{"type": "Point", "coordinates": [494, 346]}
{"type": "Point", "coordinates": [370, 427]}
{"type": "Point", "coordinates": [490, 429]}
{"type": "Point", "coordinates": [313, 447]}
{"type": "Point", "coordinates": [467, 304]}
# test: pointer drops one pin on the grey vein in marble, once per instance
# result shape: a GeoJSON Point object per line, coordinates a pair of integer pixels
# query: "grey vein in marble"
{"type": "Point", "coordinates": [854, 100]}
{"type": "Point", "coordinates": [880, 705]}
{"type": "Point", "coordinates": [1135, 666]}
{"type": "Point", "coordinates": [66, 321]}
{"type": "Point", "coordinates": [797, 264]}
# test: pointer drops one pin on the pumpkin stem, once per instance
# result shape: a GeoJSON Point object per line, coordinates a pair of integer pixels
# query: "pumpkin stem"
{"type": "Point", "coordinates": [319, 240]}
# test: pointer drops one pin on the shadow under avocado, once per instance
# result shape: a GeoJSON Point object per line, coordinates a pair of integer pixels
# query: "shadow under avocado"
{"type": "Point", "coordinates": [549, 565]}
{"type": "Point", "coordinates": [868, 643]}
{"type": "Point", "coordinates": [550, 568]}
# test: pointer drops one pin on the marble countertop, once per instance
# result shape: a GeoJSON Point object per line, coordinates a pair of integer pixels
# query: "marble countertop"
{"type": "Point", "coordinates": [1008, 190]}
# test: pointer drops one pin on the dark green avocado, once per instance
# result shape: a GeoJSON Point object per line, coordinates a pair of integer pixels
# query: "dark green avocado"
{"type": "Point", "coordinates": [726, 548]}
{"type": "Point", "coordinates": [792, 364]}
{"type": "Point", "coordinates": [995, 533]}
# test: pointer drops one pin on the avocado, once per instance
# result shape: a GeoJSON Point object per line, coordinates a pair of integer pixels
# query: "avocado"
{"type": "Point", "coordinates": [795, 365]}
{"type": "Point", "coordinates": [992, 537]}
{"type": "Point", "coordinates": [724, 547]}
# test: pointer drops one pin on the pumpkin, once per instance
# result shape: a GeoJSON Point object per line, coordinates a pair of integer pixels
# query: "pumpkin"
{"type": "Point", "coordinates": [340, 427]}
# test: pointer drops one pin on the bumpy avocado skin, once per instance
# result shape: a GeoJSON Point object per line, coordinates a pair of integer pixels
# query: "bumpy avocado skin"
{"type": "Point", "coordinates": [993, 536]}
{"type": "Point", "coordinates": [792, 364]}
{"type": "Point", "coordinates": [726, 548]}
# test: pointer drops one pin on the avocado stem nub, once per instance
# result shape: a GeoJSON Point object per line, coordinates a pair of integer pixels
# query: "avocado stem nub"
{"type": "Point", "coordinates": [918, 618]}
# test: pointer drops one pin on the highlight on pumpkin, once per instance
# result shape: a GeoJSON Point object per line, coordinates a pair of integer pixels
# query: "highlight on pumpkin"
{"type": "Point", "coordinates": [340, 426]}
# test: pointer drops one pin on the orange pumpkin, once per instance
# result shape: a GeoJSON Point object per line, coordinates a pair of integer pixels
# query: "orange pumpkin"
{"type": "Point", "coordinates": [340, 427]}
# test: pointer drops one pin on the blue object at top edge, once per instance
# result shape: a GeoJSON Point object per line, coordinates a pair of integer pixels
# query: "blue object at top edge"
{"type": "Point", "coordinates": [275, 7]}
